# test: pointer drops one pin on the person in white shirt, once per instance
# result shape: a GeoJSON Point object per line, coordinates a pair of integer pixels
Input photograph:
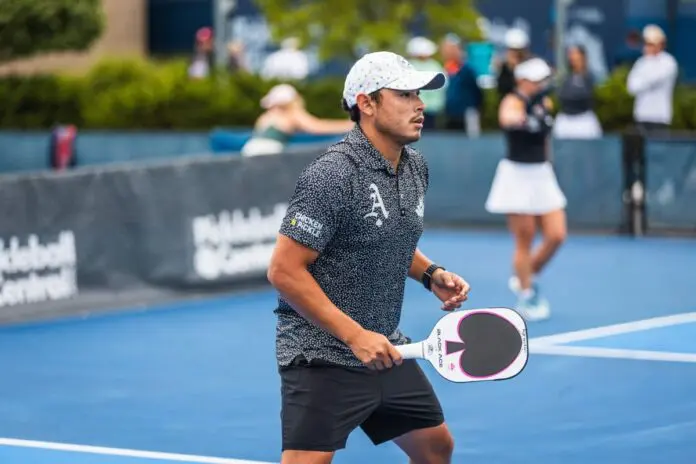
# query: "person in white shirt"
{"type": "Point", "coordinates": [651, 81]}
{"type": "Point", "coordinates": [421, 51]}
{"type": "Point", "coordinates": [289, 62]}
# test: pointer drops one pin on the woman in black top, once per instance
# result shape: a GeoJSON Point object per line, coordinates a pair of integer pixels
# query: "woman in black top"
{"type": "Point", "coordinates": [576, 118]}
{"type": "Point", "coordinates": [525, 187]}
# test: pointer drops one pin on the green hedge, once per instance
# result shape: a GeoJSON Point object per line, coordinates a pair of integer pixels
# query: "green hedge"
{"type": "Point", "coordinates": [148, 95]}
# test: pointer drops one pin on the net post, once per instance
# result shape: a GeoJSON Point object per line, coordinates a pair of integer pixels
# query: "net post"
{"type": "Point", "coordinates": [633, 162]}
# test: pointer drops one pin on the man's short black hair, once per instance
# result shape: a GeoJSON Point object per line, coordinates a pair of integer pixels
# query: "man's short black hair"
{"type": "Point", "coordinates": [354, 111]}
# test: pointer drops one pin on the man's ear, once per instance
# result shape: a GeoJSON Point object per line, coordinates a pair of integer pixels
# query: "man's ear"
{"type": "Point", "coordinates": [366, 104]}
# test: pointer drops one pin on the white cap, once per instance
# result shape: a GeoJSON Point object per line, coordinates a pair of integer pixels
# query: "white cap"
{"type": "Point", "coordinates": [281, 94]}
{"type": "Point", "coordinates": [516, 39]}
{"type": "Point", "coordinates": [387, 70]}
{"type": "Point", "coordinates": [653, 34]}
{"type": "Point", "coordinates": [533, 69]}
{"type": "Point", "coordinates": [421, 46]}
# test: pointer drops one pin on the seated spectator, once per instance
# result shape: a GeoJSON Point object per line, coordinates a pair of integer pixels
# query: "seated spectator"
{"type": "Point", "coordinates": [286, 115]}
{"type": "Point", "coordinates": [576, 118]}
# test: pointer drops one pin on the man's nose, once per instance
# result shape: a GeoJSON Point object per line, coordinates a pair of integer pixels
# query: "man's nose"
{"type": "Point", "coordinates": [420, 105]}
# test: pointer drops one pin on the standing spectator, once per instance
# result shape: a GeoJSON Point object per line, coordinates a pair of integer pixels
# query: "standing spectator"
{"type": "Point", "coordinates": [651, 81]}
{"type": "Point", "coordinates": [576, 117]}
{"type": "Point", "coordinates": [203, 59]}
{"type": "Point", "coordinates": [463, 96]}
{"type": "Point", "coordinates": [517, 44]}
{"type": "Point", "coordinates": [288, 63]}
{"type": "Point", "coordinates": [236, 60]}
{"type": "Point", "coordinates": [451, 52]}
{"type": "Point", "coordinates": [420, 51]}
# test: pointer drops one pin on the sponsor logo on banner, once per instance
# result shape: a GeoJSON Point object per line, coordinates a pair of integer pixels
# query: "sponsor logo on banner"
{"type": "Point", "coordinates": [33, 271]}
{"type": "Point", "coordinates": [234, 243]}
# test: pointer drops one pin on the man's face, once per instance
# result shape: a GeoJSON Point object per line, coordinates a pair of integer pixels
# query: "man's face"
{"type": "Point", "coordinates": [399, 115]}
{"type": "Point", "coordinates": [651, 48]}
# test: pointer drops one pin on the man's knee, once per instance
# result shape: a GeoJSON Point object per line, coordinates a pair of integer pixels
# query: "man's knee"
{"type": "Point", "coordinates": [306, 457]}
{"type": "Point", "coordinates": [443, 447]}
{"type": "Point", "coordinates": [437, 450]}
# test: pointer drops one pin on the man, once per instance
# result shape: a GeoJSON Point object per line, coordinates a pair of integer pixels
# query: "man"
{"type": "Point", "coordinates": [651, 81]}
{"type": "Point", "coordinates": [345, 248]}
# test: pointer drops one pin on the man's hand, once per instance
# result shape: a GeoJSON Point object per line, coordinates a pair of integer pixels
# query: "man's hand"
{"type": "Point", "coordinates": [451, 289]}
{"type": "Point", "coordinates": [374, 350]}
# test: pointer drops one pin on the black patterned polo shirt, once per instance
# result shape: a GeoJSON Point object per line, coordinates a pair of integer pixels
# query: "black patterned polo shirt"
{"type": "Point", "coordinates": [365, 219]}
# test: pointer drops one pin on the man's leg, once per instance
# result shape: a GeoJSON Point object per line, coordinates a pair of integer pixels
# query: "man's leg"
{"type": "Point", "coordinates": [433, 445]}
{"type": "Point", "coordinates": [321, 406]}
{"type": "Point", "coordinates": [411, 416]}
{"type": "Point", "coordinates": [306, 457]}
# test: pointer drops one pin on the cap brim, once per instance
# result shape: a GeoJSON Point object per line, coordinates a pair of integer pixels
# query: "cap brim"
{"type": "Point", "coordinates": [534, 71]}
{"type": "Point", "coordinates": [419, 80]}
{"type": "Point", "coordinates": [535, 77]}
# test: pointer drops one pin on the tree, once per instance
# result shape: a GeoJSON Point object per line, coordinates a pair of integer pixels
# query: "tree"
{"type": "Point", "coordinates": [29, 27]}
{"type": "Point", "coordinates": [340, 27]}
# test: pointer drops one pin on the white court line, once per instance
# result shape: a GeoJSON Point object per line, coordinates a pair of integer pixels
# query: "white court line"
{"type": "Point", "coordinates": [616, 329]}
{"type": "Point", "coordinates": [123, 452]}
{"type": "Point", "coordinates": [593, 352]}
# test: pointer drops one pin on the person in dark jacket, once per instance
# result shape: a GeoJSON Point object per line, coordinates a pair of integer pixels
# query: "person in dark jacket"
{"type": "Point", "coordinates": [517, 44]}
{"type": "Point", "coordinates": [463, 97]}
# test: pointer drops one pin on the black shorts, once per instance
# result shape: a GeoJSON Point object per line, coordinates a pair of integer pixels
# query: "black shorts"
{"type": "Point", "coordinates": [322, 404]}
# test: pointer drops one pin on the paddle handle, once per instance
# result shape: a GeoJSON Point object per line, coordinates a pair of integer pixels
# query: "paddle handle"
{"type": "Point", "coordinates": [412, 350]}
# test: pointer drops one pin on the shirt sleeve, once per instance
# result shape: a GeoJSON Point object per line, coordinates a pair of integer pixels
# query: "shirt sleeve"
{"type": "Point", "coordinates": [314, 211]}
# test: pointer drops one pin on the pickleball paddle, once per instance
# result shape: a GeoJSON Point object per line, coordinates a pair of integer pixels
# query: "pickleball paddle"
{"type": "Point", "coordinates": [474, 345]}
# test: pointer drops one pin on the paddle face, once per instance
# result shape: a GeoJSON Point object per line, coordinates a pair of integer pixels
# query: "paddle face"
{"type": "Point", "coordinates": [478, 345]}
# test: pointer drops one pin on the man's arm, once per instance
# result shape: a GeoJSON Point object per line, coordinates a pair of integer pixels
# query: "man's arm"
{"type": "Point", "coordinates": [289, 275]}
{"type": "Point", "coordinates": [419, 264]}
{"type": "Point", "coordinates": [642, 78]}
{"type": "Point", "coordinates": [451, 289]}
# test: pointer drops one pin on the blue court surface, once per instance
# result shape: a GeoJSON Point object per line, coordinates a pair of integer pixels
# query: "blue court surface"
{"type": "Point", "coordinates": [610, 378]}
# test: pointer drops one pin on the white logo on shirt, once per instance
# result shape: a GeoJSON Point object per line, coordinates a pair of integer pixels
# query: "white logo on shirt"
{"type": "Point", "coordinates": [377, 203]}
{"type": "Point", "coordinates": [420, 208]}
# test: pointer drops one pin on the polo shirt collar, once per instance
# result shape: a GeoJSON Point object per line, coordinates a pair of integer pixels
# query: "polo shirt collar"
{"type": "Point", "coordinates": [369, 155]}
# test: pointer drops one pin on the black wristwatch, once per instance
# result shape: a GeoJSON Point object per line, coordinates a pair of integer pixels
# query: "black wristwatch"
{"type": "Point", "coordinates": [428, 274]}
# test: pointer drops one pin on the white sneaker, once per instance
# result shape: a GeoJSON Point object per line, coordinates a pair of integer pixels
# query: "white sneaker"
{"type": "Point", "coordinates": [534, 307]}
{"type": "Point", "coordinates": [514, 285]}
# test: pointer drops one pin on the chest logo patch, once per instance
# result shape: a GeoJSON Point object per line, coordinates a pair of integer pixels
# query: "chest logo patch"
{"type": "Point", "coordinates": [377, 206]}
{"type": "Point", "coordinates": [420, 208]}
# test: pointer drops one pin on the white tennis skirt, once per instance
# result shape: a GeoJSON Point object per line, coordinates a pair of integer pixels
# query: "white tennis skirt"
{"type": "Point", "coordinates": [524, 188]}
{"type": "Point", "coordinates": [577, 126]}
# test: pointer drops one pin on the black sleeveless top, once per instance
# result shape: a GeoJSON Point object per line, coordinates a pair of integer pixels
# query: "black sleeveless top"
{"type": "Point", "coordinates": [527, 144]}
